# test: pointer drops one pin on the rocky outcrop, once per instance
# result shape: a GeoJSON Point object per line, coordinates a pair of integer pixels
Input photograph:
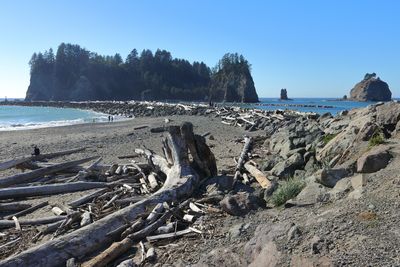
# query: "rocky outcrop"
{"type": "Point", "coordinates": [233, 86]}
{"type": "Point", "coordinates": [371, 89]}
{"type": "Point", "coordinates": [284, 95]}
{"type": "Point", "coordinates": [374, 160]}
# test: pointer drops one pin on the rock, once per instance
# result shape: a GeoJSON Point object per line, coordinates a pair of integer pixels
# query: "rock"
{"type": "Point", "coordinates": [269, 162]}
{"type": "Point", "coordinates": [239, 204]}
{"type": "Point", "coordinates": [329, 177]}
{"type": "Point", "coordinates": [233, 85]}
{"type": "Point", "coordinates": [294, 232]}
{"type": "Point", "coordinates": [261, 250]}
{"type": "Point", "coordinates": [358, 181]}
{"type": "Point", "coordinates": [237, 230]}
{"type": "Point", "coordinates": [312, 193]}
{"type": "Point", "coordinates": [299, 174]}
{"type": "Point", "coordinates": [312, 261]}
{"type": "Point", "coordinates": [308, 155]}
{"type": "Point", "coordinates": [342, 187]}
{"type": "Point", "coordinates": [374, 160]}
{"type": "Point", "coordinates": [218, 183]}
{"type": "Point", "coordinates": [367, 131]}
{"type": "Point", "coordinates": [388, 115]}
{"type": "Point", "coordinates": [268, 191]}
{"type": "Point", "coordinates": [316, 245]}
{"type": "Point", "coordinates": [356, 194]}
{"type": "Point", "coordinates": [284, 95]}
{"type": "Point", "coordinates": [221, 256]}
{"type": "Point", "coordinates": [287, 168]}
{"type": "Point", "coordinates": [371, 89]}
{"type": "Point", "coordinates": [335, 160]}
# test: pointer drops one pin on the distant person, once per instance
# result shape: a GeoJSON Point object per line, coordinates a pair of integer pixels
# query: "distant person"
{"type": "Point", "coordinates": [109, 118]}
{"type": "Point", "coordinates": [112, 118]}
{"type": "Point", "coordinates": [36, 151]}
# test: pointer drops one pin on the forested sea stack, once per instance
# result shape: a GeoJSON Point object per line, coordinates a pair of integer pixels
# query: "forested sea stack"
{"type": "Point", "coordinates": [371, 88]}
{"type": "Point", "coordinates": [76, 74]}
{"type": "Point", "coordinates": [232, 81]}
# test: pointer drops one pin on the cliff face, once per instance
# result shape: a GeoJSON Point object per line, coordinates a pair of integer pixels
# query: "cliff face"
{"type": "Point", "coordinates": [371, 89]}
{"type": "Point", "coordinates": [233, 86]}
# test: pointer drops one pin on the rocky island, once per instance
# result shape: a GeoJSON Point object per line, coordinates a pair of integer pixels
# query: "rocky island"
{"type": "Point", "coordinates": [76, 74]}
{"type": "Point", "coordinates": [371, 88]}
{"type": "Point", "coordinates": [284, 95]}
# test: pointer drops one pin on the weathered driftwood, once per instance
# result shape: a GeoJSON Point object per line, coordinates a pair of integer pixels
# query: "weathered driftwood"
{"type": "Point", "coordinates": [87, 198]}
{"type": "Point", "coordinates": [181, 180]}
{"type": "Point", "coordinates": [259, 175]}
{"type": "Point", "coordinates": [242, 158]}
{"type": "Point", "coordinates": [46, 220]}
{"type": "Point", "coordinates": [14, 162]}
{"type": "Point", "coordinates": [28, 210]}
{"type": "Point", "coordinates": [52, 189]}
{"type": "Point", "coordinates": [170, 235]}
{"type": "Point", "coordinates": [7, 207]}
{"type": "Point", "coordinates": [118, 248]}
{"type": "Point", "coordinates": [32, 175]}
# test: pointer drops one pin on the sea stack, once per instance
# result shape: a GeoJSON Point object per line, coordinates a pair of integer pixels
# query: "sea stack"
{"type": "Point", "coordinates": [284, 94]}
{"type": "Point", "coordinates": [371, 88]}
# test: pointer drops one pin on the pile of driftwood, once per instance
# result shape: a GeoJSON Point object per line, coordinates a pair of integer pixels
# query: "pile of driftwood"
{"type": "Point", "coordinates": [256, 119]}
{"type": "Point", "coordinates": [134, 203]}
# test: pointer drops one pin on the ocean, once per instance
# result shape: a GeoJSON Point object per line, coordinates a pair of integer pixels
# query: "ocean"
{"type": "Point", "coordinates": [19, 117]}
{"type": "Point", "coordinates": [22, 118]}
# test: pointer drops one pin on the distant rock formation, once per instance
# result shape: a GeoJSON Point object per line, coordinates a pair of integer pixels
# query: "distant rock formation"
{"type": "Point", "coordinates": [76, 74]}
{"type": "Point", "coordinates": [284, 94]}
{"type": "Point", "coordinates": [232, 81]}
{"type": "Point", "coordinates": [371, 88]}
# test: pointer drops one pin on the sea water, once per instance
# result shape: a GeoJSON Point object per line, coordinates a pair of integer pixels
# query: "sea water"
{"type": "Point", "coordinates": [21, 117]}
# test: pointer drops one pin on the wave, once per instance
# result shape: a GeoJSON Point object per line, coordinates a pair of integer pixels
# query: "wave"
{"type": "Point", "coordinates": [36, 125]}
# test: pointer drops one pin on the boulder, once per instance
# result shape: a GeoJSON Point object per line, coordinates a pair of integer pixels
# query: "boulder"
{"type": "Point", "coordinates": [329, 177]}
{"type": "Point", "coordinates": [388, 115]}
{"type": "Point", "coordinates": [341, 189]}
{"type": "Point", "coordinates": [287, 168]}
{"type": "Point", "coordinates": [371, 89]}
{"type": "Point", "coordinates": [261, 250]}
{"type": "Point", "coordinates": [311, 194]}
{"type": "Point", "coordinates": [359, 181]}
{"type": "Point", "coordinates": [374, 160]}
{"type": "Point", "coordinates": [239, 204]}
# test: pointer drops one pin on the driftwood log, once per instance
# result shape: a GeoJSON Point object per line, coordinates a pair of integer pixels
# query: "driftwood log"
{"type": "Point", "coordinates": [242, 158]}
{"type": "Point", "coordinates": [182, 179]}
{"type": "Point", "coordinates": [45, 220]}
{"type": "Point", "coordinates": [51, 189]}
{"type": "Point", "coordinates": [32, 175]}
{"type": "Point", "coordinates": [14, 162]}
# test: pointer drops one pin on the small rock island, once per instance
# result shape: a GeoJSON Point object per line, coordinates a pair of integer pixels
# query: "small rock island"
{"type": "Point", "coordinates": [371, 88]}
{"type": "Point", "coordinates": [284, 95]}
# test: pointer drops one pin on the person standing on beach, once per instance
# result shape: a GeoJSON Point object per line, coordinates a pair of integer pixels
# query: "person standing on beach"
{"type": "Point", "coordinates": [36, 151]}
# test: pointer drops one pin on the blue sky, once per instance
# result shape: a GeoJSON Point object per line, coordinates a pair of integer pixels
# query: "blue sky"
{"type": "Point", "coordinates": [313, 48]}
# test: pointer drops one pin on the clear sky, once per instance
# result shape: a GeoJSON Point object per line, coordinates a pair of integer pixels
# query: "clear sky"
{"type": "Point", "coordinates": [314, 48]}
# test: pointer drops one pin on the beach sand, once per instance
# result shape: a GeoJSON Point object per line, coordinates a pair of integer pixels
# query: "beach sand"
{"type": "Point", "coordinates": [110, 140]}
